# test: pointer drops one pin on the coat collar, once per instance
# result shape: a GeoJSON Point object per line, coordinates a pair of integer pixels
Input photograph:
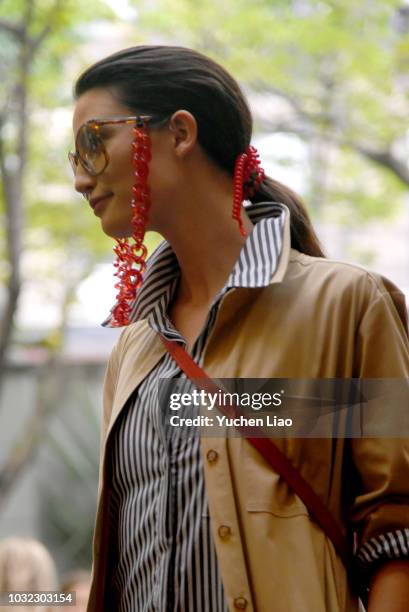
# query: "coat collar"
{"type": "Point", "coordinates": [262, 256]}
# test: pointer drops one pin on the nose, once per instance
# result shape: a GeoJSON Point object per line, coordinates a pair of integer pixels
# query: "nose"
{"type": "Point", "coordinates": [83, 181]}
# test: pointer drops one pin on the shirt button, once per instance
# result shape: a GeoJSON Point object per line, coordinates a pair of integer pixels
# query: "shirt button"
{"type": "Point", "coordinates": [240, 603]}
{"type": "Point", "coordinates": [212, 456]}
{"type": "Point", "coordinates": [224, 531]}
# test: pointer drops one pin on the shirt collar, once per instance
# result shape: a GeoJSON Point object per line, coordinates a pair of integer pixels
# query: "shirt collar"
{"type": "Point", "coordinates": [261, 261]}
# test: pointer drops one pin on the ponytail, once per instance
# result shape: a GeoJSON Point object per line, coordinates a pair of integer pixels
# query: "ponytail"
{"type": "Point", "coordinates": [303, 236]}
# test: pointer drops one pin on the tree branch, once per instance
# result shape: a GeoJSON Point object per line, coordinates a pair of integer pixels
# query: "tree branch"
{"type": "Point", "coordinates": [50, 382]}
{"type": "Point", "coordinates": [13, 249]}
{"type": "Point", "coordinates": [386, 159]}
{"type": "Point", "coordinates": [12, 28]}
{"type": "Point", "coordinates": [13, 187]}
{"type": "Point", "coordinates": [20, 31]}
{"type": "Point", "coordinates": [39, 39]}
{"type": "Point", "coordinates": [307, 127]}
{"type": "Point", "coordinates": [51, 379]}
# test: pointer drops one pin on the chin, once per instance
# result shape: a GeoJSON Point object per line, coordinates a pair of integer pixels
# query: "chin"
{"type": "Point", "coordinates": [115, 230]}
{"type": "Point", "coordinates": [120, 228]}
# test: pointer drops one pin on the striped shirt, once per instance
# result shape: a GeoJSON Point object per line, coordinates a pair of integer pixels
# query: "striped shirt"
{"type": "Point", "coordinates": [165, 554]}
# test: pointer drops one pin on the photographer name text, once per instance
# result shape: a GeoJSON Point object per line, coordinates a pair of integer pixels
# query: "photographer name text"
{"type": "Point", "coordinates": [268, 420]}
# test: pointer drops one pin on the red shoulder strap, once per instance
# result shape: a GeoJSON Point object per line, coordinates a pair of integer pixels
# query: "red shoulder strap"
{"type": "Point", "coordinates": [271, 453]}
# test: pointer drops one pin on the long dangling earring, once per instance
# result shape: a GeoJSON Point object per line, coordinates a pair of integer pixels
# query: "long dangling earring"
{"type": "Point", "coordinates": [238, 191]}
{"type": "Point", "coordinates": [131, 258]}
{"type": "Point", "coordinates": [248, 176]}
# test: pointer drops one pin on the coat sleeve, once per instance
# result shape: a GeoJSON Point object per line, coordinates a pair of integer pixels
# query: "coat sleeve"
{"type": "Point", "coordinates": [380, 507]}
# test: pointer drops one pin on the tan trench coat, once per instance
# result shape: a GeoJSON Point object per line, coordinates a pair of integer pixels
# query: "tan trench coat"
{"type": "Point", "coordinates": [317, 319]}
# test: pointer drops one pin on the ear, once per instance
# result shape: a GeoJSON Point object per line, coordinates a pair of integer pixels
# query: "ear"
{"type": "Point", "coordinates": [184, 128]}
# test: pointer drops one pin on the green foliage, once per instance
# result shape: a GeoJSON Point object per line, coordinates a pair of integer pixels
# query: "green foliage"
{"type": "Point", "coordinates": [360, 193]}
{"type": "Point", "coordinates": [66, 23]}
{"type": "Point", "coordinates": [341, 61]}
{"type": "Point", "coordinates": [54, 217]}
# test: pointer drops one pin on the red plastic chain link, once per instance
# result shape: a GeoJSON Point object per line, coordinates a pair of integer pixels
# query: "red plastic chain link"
{"type": "Point", "coordinates": [131, 258]}
{"type": "Point", "coordinates": [248, 176]}
{"type": "Point", "coordinates": [238, 191]}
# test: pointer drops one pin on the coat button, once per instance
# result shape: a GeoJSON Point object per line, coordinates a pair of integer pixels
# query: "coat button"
{"type": "Point", "coordinates": [224, 531]}
{"type": "Point", "coordinates": [212, 456]}
{"type": "Point", "coordinates": [240, 603]}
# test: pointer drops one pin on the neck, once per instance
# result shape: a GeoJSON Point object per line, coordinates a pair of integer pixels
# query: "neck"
{"type": "Point", "coordinates": [207, 243]}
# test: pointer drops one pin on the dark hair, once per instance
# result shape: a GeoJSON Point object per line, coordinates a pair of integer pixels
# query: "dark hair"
{"type": "Point", "coordinates": [158, 80]}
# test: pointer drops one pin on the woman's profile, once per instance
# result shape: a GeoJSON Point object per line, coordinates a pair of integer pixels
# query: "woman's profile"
{"type": "Point", "coordinates": [195, 523]}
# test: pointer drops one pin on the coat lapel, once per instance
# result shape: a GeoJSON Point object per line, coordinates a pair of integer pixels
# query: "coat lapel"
{"type": "Point", "coordinates": [144, 351]}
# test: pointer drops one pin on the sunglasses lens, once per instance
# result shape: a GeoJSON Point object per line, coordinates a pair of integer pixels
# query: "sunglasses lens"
{"type": "Point", "coordinates": [91, 149]}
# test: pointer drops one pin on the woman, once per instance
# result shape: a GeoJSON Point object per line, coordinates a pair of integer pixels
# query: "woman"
{"type": "Point", "coordinates": [205, 524]}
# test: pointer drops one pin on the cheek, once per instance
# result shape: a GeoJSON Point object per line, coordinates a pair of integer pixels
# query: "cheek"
{"type": "Point", "coordinates": [125, 168]}
{"type": "Point", "coordinates": [162, 170]}
{"type": "Point", "coordinates": [163, 179]}
{"type": "Point", "coordinates": [123, 179]}
{"type": "Point", "coordinates": [120, 169]}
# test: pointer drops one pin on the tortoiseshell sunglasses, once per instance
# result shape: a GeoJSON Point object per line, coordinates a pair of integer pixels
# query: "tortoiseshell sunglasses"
{"type": "Point", "coordinates": [90, 149]}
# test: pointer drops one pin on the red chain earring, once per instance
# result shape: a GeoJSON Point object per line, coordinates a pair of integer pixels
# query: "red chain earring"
{"type": "Point", "coordinates": [131, 258]}
{"type": "Point", "coordinates": [238, 191]}
{"type": "Point", "coordinates": [248, 176]}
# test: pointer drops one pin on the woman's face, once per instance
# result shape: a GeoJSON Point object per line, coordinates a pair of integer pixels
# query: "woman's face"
{"type": "Point", "coordinates": [110, 193]}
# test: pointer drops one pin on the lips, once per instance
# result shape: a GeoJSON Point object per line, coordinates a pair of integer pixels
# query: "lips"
{"type": "Point", "coordinates": [95, 201]}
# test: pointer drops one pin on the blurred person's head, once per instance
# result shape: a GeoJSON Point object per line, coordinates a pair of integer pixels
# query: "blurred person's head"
{"type": "Point", "coordinates": [26, 565]}
{"type": "Point", "coordinates": [78, 581]}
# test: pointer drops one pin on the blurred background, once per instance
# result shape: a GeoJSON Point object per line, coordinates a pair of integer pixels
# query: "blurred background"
{"type": "Point", "coordinates": [328, 83]}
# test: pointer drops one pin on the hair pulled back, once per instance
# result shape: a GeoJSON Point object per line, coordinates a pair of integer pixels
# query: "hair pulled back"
{"type": "Point", "coordinates": [159, 80]}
